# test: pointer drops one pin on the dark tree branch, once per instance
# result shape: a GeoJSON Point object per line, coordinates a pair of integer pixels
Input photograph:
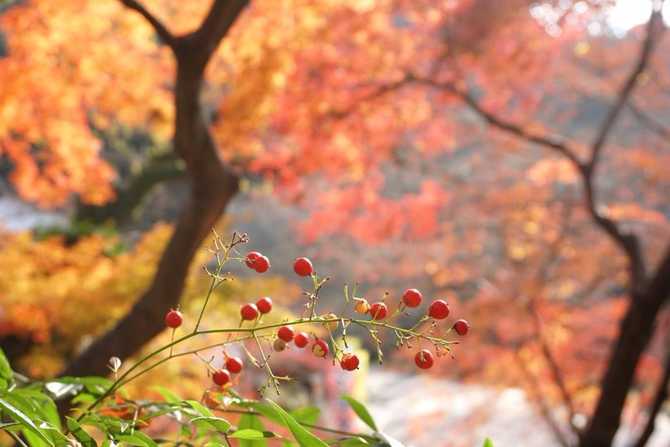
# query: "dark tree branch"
{"type": "Point", "coordinates": [163, 33]}
{"type": "Point", "coordinates": [650, 41]}
{"type": "Point", "coordinates": [542, 403]}
{"type": "Point", "coordinates": [553, 142]}
{"type": "Point", "coordinates": [660, 396]}
{"type": "Point", "coordinates": [649, 121]}
{"type": "Point", "coordinates": [215, 26]}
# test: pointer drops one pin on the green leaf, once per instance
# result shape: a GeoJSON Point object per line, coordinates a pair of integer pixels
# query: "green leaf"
{"type": "Point", "coordinates": [168, 395]}
{"type": "Point", "coordinates": [267, 412]}
{"type": "Point", "coordinates": [199, 408]}
{"type": "Point", "coordinates": [304, 437]}
{"type": "Point", "coordinates": [17, 415]}
{"type": "Point", "coordinates": [41, 403]}
{"type": "Point", "coordinates": [138, 438]}
{"type": "Point", "coordinates": [209, 422]}
{"type": "Point", "coordinates": [79, 433]}
{"type": "Point", "coordinates": [361, 412]}
{"type": "Point", "coordinates": [251, 434]}
{"type": "Point", "coordinates": [251, 421]}
{"type": "Point", "coordinates": [488, 442]}
{"type": "Point", "coordinates": [94, 385]}
{"type": "Point", "coordinates": [354, 442]}
{"type": "Point", "coordinates": [6, 373]}
{"type": "Point", "coordinates": [306, 415]}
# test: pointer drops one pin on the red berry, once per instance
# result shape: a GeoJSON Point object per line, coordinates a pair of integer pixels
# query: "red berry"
{"type": "Point", "coordinates": [461, 327]}
{"type": "Point", "coordinates": [424, 359]}
{"type": "Point", "coordinates": [320, 348]}
{"type": "Point", "coordinates": [279, 345]}
{"type": "Point", "coordinates": [301, 339]}
{"type": "Point", "coordinates": [173, 319]}
{"type": "Point", "coordinates": [412, 298]}
{"type": "Point", "coordinates": [285, 333]}
{"type": "Point", "coordinates": [221, 377]}
{"type": "Point", "coordinates": [303, 266]}
{"type": "Point", "coordinates": [264, 305]}
{"type": "Point", "coordinates": [439, 309]}
{"type": "Point", "coordinates": [349, 362]}
{"type": "Point", "coordinates": [262, 264]}
{"type": "Point", "coordinates": [251, 258]}
{"type": "Point", "coordinates": [234, 365]}
{"type": "Point", "coordinates": [249, 312]}
{"type": "Point", "coordinates": [378, 311]}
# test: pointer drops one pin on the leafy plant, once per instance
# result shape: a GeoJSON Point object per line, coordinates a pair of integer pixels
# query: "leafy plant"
{"type": "Point", "coordinates": [104, 414]}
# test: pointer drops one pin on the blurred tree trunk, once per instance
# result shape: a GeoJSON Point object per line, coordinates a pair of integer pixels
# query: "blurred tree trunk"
{"type": "Point", "coordinates": [213, 185]}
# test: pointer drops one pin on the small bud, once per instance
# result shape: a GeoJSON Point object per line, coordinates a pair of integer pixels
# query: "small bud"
{"type": "Point", "coordinates": [279, 345]}
{"type": "Point", "coordinates": [114, 364]}
{"type": "Point", "coordinates": [362, 306]}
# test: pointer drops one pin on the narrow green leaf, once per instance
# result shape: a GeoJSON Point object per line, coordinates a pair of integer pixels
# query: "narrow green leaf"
{"type": "Point", "coordinates": [251, 434]}
{"type": "Point", "coordinates": [302, 435]}
{"type": "Point", "coordinates": [79, 433]}
{"type": "Point", "coordinates": [17, 415]}
{"type": "Point", "coordinates": [168, 395]}
{"type": "Point", "coordinates": [267, 412]}
{"type": "Point", "coordinates": [6, 373]}
{"type": "Point", "coordinates": [199, 408]}
{"type": "Point", "coordinates": [251, 421]}
{"type": "Point", "coordinates": [94, 385]}
{"type": "Point", "coordinates": [209, 422]}
{"type": "Point", "coordinates": [42, 404]}
{"type": "Point", "coordinates": [138, 439]}
{"type": "Point", "coordinates": [306, 415]}
{"type": "Point", "coordinates": [354, 442]}
{"type": "Point", "coordinates": [361, 412]}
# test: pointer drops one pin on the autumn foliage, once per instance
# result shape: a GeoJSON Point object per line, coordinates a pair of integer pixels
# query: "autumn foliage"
{"type": "Point", "coordinates": [510, 156]}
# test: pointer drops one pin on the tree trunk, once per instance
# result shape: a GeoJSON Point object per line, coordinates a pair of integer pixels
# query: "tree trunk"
{"type": "Point", "coordinates": [213, 185]}
{"type": "Point", "coordinates": [634, 335]}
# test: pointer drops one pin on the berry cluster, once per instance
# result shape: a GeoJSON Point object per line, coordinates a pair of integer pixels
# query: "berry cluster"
{"type": "Point", "coordinates": [378, 314]}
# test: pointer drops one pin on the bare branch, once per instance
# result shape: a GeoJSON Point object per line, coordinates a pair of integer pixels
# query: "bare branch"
{"type": "Point", "coordinates": [544, 406]}
{"type": "Point", "coordinates": [628, 242]}
{"type": "Point", "coordinates": [163, 33]}
{"type": "Point", "coordinates": [653, 30]}
{"type": "Point", "coordinates": [649, 121]}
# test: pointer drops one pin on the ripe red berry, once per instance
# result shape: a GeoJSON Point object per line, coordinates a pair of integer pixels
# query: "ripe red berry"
{"type": "Point", "coordinates": [279, 345]}
{"type": "Point", "coordinates": [424, 359]}
{"type": "Point", "coordinates": [461, 327]}
{"type": "Point", "coordinates": [249, 311]}
{"type": "Point", "coordinates": [439, 309]}
{"type": "Point", "coordinates": [221, 377]}
{"type": "Point", "coordinates": [320, 348]}
{"type": "Point", "coordinates": [251, 258]}
{"type": "Point", "coordinates": [285, 333]}
{"type": "Point", "coordinates": [264, 305]}
{"type": "Point", "coordinates": [412, 298]}
{"type": "Point", "coordinates": [303, 266]}
{"type": "Point", "coordinates": [378, 311]}
{"type": "Point", "coordinates": [349, 362]}
{"type": "Point", "coordinates": [301, 339]}
{"type": "Point", "coordinates": [262, 264]}
{"type": "Point", "coordinates": [234, 364]}
{"type": "Point", "coordinates": [173, 319]}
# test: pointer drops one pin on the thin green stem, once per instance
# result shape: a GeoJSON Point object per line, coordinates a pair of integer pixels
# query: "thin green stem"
{"type": "Point", "coordinates": [121, 380]}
